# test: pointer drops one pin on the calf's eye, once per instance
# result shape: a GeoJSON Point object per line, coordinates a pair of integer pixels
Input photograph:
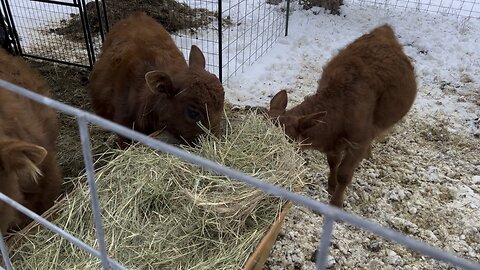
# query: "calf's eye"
{"type": "Point", "coordinates": [193, 114]}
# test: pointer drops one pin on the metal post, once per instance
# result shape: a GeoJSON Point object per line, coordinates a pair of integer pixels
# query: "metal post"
{"type": "Point", "coordinates": [323, 249]}
{"type": "Point", "coordinates": [220, 49]}
{"type": "Point", "coordinates": [92, 187]}
{"type": "Point", "coordinates": [100, 21]}
{"type": "Point", "coordinates": [11, 29]}
{"type": "Point", "coordinates": [86, 33]}
{"type": "Point", "coordinates": [288, 16]}
{"type": "Point", "coordinates": [107, 26]}
{"type": "Point", "coordinates": [6, 257]}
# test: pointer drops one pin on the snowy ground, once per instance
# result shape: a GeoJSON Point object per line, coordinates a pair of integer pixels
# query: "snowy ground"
{"type": "Point", "coordinates": [424, 179]}
{"type": "Point", "coordinates": [430, 162]}
{"type": "Point", "coordinates": [444, 51]}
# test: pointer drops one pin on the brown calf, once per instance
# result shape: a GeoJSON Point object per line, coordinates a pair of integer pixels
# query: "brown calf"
{"type": "Point", "coordinates": [364, 90]}
{"type": "Point", "coordinates": [142, 81]}
{"type": "Point", "coordinates": [29, 172]}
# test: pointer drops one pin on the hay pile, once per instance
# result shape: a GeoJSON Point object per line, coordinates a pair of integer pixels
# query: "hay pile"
{"type": "Point", "coordinates": [160, 212]}
{"type": "Point", "coordinates": [171, 14]}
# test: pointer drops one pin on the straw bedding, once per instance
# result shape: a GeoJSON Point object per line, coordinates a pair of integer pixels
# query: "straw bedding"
{"type": "Point", "coordinates": [162, 213]}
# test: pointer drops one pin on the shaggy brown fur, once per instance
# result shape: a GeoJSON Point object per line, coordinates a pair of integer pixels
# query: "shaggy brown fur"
{"type": "Point", "coordinates": [364, 90]}
{"type": "Point", "coordinates": [142, 81]}
{"type": "Point", "coordinates": [29, 172]}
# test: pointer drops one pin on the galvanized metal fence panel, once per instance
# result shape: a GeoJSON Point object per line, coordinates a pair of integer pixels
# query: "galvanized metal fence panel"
{"type": "Point", "coordinates": [36, 24]}
{"type": "Point", "coordinates": [331, 214]}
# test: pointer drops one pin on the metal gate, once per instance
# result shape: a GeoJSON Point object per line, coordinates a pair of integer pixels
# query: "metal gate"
{"type": "Point", "coordinates": [33, 24]}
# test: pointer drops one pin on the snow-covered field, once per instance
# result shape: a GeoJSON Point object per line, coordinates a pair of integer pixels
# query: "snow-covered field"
{"type": "Point", "coordinates": [424, 179]}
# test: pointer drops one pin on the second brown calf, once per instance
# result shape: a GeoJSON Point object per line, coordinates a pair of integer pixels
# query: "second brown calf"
{"type": "Point", "coordinates": [142, 81]}
{"type": "Point", "coordinates": [364, 90]}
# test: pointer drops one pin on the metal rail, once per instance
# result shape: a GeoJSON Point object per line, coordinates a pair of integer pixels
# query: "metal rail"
{"type": "Point", "coordinates": [332, 214]}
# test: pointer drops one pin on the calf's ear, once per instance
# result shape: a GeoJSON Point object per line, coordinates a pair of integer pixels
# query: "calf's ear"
{"type": "Point", "coordinates": [196, 58]}
{"type": "Point", "coordinates": [21, 156]}
{"type": "Point", "coordinates": [278, 104]}
{"type": "Point", "coordinates": [160, 82]}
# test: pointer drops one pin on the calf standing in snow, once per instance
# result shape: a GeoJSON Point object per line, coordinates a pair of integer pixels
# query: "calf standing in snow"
{"type": "Point", "coordinates": [29, 172]}
{"type": "Point", "coordinates": [142, 81]}
{"type": "Point", "coordinates": [364, 90]}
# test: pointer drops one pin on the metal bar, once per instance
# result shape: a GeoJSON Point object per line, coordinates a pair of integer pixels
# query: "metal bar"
{"type": "Point", "coordinates": [107, 25]}
{"type": "Point", "coordinates": [5, 28]}
{"type": "Point", "coordinates": [334, 212]}
{"type": "Point", "coordinates": [56, 2]}
{"type": "Point", "coordinates": [55, 60]}
{"type": "Point", "coordinates": [4, 251]}
{"type": "Point", "coordinates": [100, 21]}
{"type": "Point", "coordinates": [13, 30]}
{"type": "Point", "coordinates": [323, 249]}
{"type": "Point", "coordinates": [220, 47]}
{"type": "Point", "coordinates": [87, 156]}
{"type": "Point", "coordinates": [288, 17]}
{"type": "Point", "coordinates": [86, 33]}
{"type": "Point", "coordinates": [72, 239]}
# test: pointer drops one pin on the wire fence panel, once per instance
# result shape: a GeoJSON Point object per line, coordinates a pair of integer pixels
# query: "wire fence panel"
{"type": "Point", "coordinates": [231, 34]}
{"type": "Point", "coordinates": [51, 30]}
{"type": "Point", "coordinates": [254, 27]}
{"type": "Point", "coordinates": [332, 214]}
{"type": "Point", "coordinates": [460, 8]}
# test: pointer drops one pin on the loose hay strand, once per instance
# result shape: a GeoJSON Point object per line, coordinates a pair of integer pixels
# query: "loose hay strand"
{"type": "Point", "coordinates": [161, 212]}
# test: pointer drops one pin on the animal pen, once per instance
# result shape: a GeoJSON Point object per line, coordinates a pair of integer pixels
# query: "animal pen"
{"type": "Point", "coordinates": [230, 43]}
{"type": "Point", "coordinates": [231, 34]}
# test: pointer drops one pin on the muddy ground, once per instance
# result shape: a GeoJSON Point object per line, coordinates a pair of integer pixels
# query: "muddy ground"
{"type": "Point", "coordinates": [69, 85]}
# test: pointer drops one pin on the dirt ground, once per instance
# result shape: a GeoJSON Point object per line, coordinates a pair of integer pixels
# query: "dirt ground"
{"type": "Point", "coordinates": [172, 15]}
{"type": "Point", "coordinates": [69, 85]}
{"type": "Point", "coordinates": [422, 180]}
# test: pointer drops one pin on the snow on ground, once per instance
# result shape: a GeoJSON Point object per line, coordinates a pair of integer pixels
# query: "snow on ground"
{"type": "Point", "coordinates": [421, 179]}
{"type": "Point", "coordinates": [443, 49]}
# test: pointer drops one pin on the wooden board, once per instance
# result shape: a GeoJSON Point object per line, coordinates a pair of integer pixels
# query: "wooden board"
{"type": "Point", "coordinates": [259, 256]}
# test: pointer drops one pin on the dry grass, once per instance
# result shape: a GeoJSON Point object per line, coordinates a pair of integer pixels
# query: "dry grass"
{"type": "Point", "coordinates": [160, 212]}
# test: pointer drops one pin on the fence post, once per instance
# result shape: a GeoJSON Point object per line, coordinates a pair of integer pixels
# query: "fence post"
{"type": "Point", "coordinates": [4, 251]}
{"type": "Point", "coordinates": [86, 32]}
{"type": "Point", "coordinates": [288, 17]}
{"type": "Point", "coordinates": [100, 21]}
{"type": "Point", "coordinates": [220, 52]}
{"type": "Point", "coordinates": [92, 187]}
{"type": "Point", "coordinates": [10, 27]}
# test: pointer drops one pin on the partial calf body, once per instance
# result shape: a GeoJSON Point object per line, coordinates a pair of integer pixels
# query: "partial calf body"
{"type": "Point", "coordinates": [29, 172]}
{"type": "Point", "coordinates": [142, 81]}
{"type": "Point", "coordinates": [364, 90]}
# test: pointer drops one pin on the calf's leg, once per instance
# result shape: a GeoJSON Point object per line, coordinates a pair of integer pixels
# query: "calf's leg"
{"type": "Point", "coordinates": [333, 159]}
{"type": "Point", "coordinates": [351, 159]}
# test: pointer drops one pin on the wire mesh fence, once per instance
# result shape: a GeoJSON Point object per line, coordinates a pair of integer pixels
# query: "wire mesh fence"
{"type": "Point", "coordinates": [460, 8]}
{"type": "Point", "coordinates": [255, 26]}
{"type": "Point", "coordinates": [331, 214]}
{"type": "Point", "coordinates": [231, 34]}
{"type": "Point", "coordinates": [39, 29]}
